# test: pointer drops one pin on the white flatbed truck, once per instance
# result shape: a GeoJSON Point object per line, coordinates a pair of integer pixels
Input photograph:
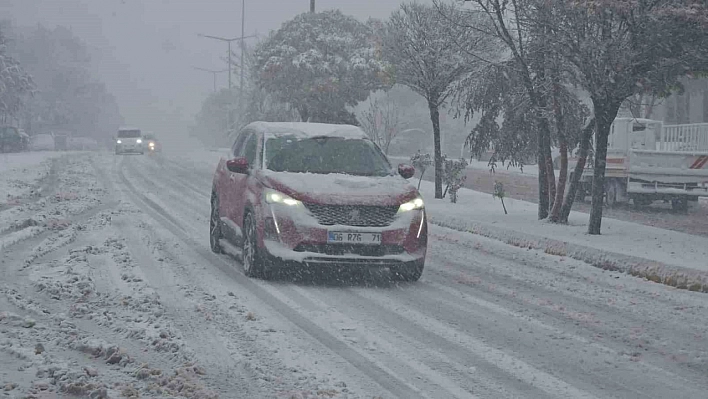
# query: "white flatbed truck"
{"type": "Point", "coordinates": [648, 161]}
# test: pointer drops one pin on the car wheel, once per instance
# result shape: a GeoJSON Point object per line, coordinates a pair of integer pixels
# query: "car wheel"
{"type": "Point", "coordinates": [251, 256]}
{"type": "Point", "coordinates": [408, 273]}
{"type": "Point", "coordinates": [215, 226]}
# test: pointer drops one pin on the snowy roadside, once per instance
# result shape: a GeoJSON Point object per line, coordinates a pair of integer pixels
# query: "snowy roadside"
{"type": "Point", "coordinates": [664, 256]}
{"type": "Point", "coordinates": [25, 181]}
{"type": "Point", "coordinates": [75, 317]}
{"type": "Point", "coordinates": [529, 170]}
{"type": "Point", "coordinates": [19, 173]}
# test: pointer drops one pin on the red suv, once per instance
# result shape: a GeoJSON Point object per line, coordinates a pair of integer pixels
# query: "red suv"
{"type": "Point", "coordinates": [310, 194]}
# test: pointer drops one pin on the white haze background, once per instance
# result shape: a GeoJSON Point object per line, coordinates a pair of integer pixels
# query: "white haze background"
{"type": "Point", "coordinates": [146, 50]}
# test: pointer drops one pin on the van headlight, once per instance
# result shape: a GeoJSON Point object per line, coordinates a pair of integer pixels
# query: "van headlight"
{"type": "Point", "coordinates": [139, 141]}
{"type": "Point", "coordinates": [276, 197]}
{"type": "Point", "coordinates": [412, 205]}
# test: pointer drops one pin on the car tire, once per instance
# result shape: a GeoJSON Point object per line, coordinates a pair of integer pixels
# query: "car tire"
{"type": "Point", "coordinates": [251, 256]}
{"type": "Point", "coordinates": [409, 273]}
{"type": "Point", "coordinates": [215, 226]}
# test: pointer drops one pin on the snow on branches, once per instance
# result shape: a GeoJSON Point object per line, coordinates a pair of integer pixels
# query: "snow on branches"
{"type": "Point", "coordinates": [320, 63]}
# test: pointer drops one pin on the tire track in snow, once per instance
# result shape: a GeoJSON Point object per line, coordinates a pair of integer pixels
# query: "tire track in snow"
{"type": "Point", "coordinates": [561, 294]}
{"type": "Point", "coordinates": [395, 360]}
{"type": "Point", "coordinates": [433, 330]}
{"type": "Point", "coordinates": [209, 345]}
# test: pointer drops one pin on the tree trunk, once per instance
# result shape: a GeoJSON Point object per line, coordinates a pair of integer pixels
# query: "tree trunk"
{"type": "Point", "coordinates": [550, 172]}
{"type": "Point", "coordinates": [304, 114]}
{"type": "Point", "coordinates": [563, 146]}
{"type": "Point", "coordinates": [435, 118]}
{"type": "Point", "coordinates": [544, 154]}
{"type": "Point", "coordinates": [562, 179]}
{"type": "Point", "coordinates": [542, 180]}
{"type": "Point", "coordinates": [605, 113]}
{"type": "Point", "coordinates": [577, 172]}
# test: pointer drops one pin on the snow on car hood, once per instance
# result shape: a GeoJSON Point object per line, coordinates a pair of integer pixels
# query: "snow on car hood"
{"type": "Point", "coordinates": [340, 188]}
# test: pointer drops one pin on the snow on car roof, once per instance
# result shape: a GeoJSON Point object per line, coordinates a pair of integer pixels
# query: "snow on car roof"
{"type": "Point", "coordinates": [307, 129]}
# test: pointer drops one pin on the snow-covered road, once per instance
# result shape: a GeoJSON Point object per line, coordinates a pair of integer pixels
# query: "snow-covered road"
{"type": "Point", "coordinates": [120, 294]}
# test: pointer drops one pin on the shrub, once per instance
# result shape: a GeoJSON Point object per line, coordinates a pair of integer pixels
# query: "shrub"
{"type": "Point", "coordinates": [454, 176]}
{"type": "Point", "coordinates": [421, 162]}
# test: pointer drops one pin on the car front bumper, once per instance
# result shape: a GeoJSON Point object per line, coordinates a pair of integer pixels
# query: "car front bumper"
{"type": "Point", "coordinates": [287, 242]}
{"type": "Point", "coordinates": [134, 148]}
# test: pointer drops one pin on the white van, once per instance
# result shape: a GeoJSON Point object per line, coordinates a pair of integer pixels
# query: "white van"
{"type": "Point", "coordinates": [129, 140]}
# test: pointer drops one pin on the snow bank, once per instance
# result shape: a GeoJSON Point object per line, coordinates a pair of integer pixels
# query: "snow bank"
{"type": "Point", "coordinates": [20, 171]}
{"type": "Point", "coordinates": [660, 255]}
{"type": "Point", "coordinates": [530, 170]}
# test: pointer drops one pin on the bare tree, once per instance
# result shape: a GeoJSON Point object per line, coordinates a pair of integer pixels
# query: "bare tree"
{"type": "Point", "coordinates": [381, 120]}
{"type": "Point", "coordinates": [429, 53]}
{"type": "Point", "coordinates": [527, 54]}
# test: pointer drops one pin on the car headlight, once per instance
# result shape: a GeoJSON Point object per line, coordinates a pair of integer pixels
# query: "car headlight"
{"type": "Point", "coordinates": [411, 205]}
{"type": "Point", "coordinates": [119, 142]}
{"type": "Point", "coordinates": [276, 197]}
{"type": "Point", "coordinates": [138, 141]}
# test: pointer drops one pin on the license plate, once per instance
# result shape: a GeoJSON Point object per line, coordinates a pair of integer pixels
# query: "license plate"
{"type": "Point", "coordinates": [337, 237]}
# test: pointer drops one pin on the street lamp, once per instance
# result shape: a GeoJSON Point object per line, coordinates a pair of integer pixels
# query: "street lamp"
{"type": "Point", "coordinates": [228, 41]}
{"type": "Point", "coordinates": [213, 72]}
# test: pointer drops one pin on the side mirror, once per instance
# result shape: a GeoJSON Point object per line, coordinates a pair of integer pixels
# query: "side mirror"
{"type": "Point", "coordinates": [406, 171]}
{"type": "Point", "coordinates": [237, 165]}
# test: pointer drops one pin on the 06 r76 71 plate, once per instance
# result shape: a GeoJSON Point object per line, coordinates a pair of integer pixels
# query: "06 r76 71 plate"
{"type": "Point", "coordinates": [344, 237]}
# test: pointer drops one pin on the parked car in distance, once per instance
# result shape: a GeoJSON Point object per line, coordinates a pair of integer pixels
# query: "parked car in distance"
{"type": "Point", "coordinates": [300, 195]}
{"type": "Point", "coordinates": [12, 140]}
{"type": "Point", "coordinates": [129, 140]}
{"type": "Point", "coordinates": [42, 142]}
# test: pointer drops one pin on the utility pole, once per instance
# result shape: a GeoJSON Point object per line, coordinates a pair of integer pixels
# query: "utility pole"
{"type": "Point", "coordinates": [228, 41]}
{"type": "Point", "coordinates": [312, 6]}
{"type": "Point", "coordinates": [213, 72]}
{"type": "Point", "coordinates": [243, 61]}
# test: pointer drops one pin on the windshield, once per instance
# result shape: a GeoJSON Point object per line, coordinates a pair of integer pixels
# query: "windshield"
{"type": "Point", "coordinates": [325, 155]}
{"type": "Point", "coordinates": [128, 133]}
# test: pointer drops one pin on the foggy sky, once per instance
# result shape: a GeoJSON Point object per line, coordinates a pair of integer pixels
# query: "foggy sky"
{"type": "Point", "coordinates": [145, 50]}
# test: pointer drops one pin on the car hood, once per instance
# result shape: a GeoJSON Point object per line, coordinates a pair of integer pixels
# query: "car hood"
{"type": "Point", "coordinates": [341, 189]}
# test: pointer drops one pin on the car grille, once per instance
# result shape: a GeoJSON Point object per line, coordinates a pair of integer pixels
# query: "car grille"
{"type": "Point", "coordinates": [353, 215]}
{"type": "Point", "coordinates": [343, 249]}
